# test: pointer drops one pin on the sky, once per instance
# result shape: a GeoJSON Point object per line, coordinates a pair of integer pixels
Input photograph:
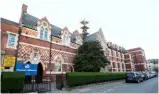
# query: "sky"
{"type": "Point", "coordinates": [127, 23]}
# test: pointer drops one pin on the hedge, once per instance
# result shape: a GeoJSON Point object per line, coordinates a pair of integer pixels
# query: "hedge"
{"type": "Point", "coordinates": [82, 78]}
{"type": "Point", "coordinates": [12, 82]}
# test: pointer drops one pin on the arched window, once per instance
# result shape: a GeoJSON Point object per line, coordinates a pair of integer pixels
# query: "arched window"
{"type": "Point", "coordinates": [41, 32]}
{"type": "Point", "coordinates": [65, 39]}
{"type": "Point", "coordinates": [58, 65]}
{"type": "Point", "coordinates": [46, 34]}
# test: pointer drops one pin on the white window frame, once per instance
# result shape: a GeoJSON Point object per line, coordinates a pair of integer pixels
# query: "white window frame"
{"type": "Point", "coordinates": [66, 39]}
{"type": "Point", "coordinates": [114, 53]}
{"type": "Point", "coordinates": [123, 55]}
{"type": "Point", "coordinates": [55, 67]}
{"type": "Point", "coordinates": [16, 39]}
{"type": "Point", "coordinates": [79, 40]}
{"type": "Point", "coordinates": [110, 53]}
{"type": "Point", "coordinates": [43, 37]}
{"type": "Point", "coordinates": [119, 55]}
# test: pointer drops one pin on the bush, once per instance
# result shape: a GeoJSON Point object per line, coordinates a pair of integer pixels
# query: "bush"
{"type": "Point", "coordinates": [12, 82]}
{"type": "Point", "coordinates": [82, 78]}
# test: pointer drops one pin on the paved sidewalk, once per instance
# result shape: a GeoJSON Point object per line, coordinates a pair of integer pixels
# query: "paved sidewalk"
{"type": "Point", "coordinates": [79, 89]}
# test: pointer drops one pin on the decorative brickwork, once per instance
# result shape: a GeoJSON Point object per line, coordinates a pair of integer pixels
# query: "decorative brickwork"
{"type": "Point", "coordinates": [25, 50]}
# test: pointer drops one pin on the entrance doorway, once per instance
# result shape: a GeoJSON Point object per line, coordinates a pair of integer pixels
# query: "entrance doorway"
{"type": "Point", "coordinates": [39, 76]}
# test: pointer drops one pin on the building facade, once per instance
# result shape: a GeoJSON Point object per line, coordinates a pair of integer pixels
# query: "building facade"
{"type": "Point", "coordinates": [139, 59]}
{"type": "Point", "coordinates": [116, 56]}
{"type": "Point", "coordinates": [152, 64]}
{"type": "Point", "coordinates": [35, 40]}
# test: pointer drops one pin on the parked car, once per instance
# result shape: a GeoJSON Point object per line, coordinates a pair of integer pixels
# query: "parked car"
{"type": "Point", "coordinates": [144, 75]}
{"type": "Point", "coordinates": [151, 75]}
{"type": "Point", "coordinates": [148, 74]}
{"type": "Point", "coordinates": [133, 77]}
{"type": "Point", "coordinates": [154, 73]}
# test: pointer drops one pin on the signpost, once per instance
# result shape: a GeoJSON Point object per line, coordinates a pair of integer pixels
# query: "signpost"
{"type": "Point", "coordinates": [29, 69]}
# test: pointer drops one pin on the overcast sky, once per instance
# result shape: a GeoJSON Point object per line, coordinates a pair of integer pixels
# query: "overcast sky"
{"type": "Point", "coordinates": [128, 23]}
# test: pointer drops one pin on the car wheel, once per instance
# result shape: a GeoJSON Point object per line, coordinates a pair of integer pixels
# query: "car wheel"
{"type": "Point", "coordinates": [126, 81]}
{"type": "Point", "coordinates": [138, 81]}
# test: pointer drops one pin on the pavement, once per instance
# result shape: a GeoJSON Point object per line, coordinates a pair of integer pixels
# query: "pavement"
{"type": "Point", "coordinates": [148, 86]}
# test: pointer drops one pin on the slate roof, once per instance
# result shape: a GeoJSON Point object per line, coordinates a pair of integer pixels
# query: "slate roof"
{"type": "Point", "coordinates": [9, 22]}
{"type": "Point", "coordinates": [55, 30]}
{"type": "Point", "coordinates": [92, 37]}
{"type": "Point", "coordinates": [73, 36]}
{"type": "Point", "coordinates": [31, 22]}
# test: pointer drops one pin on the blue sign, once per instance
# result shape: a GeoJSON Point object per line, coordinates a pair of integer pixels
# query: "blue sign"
{"type": "Point", "coordinates": [29, 69]}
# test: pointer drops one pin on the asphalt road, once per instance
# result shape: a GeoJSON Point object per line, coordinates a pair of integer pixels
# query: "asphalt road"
{"type": "Point", "coordinates": [149, 86]}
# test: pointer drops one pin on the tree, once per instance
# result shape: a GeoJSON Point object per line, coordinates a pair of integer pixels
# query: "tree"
{"type": "Point", "coordinates": [90, 57]}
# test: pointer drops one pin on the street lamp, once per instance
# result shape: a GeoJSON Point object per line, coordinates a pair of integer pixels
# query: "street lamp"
{"type": "Point", "coordinates": [16, 55]}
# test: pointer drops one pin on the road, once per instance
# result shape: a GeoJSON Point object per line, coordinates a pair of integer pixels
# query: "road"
{"type": "Point", "coordinates": [149, 86]}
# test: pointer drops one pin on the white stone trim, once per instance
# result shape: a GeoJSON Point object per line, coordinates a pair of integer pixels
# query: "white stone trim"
{"type": "Point", "coordinates": [47, 41]}
{"type": "Point", "coordinates": [16, 40]}
{"type": "Point", "coordinates": [127, 63]}
{"type": "Point", "coordinates": [136, 51]}
{"type": "Point", "coordinates": [68, 63]}
{"type": "Point", "coordinates": [140, 64]}
{"type": "Point", "coordinates": [48, 72]}
{"type": "Point", "coordinates": [45, 48]}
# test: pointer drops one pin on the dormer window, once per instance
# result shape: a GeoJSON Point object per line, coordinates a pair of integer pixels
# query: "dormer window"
{"type": "Point", "coordinates": [44, 31]}
{"type": "Point", "coordinates": [66, 38]}
{"type": "Point", "coordinates": [79, 40]}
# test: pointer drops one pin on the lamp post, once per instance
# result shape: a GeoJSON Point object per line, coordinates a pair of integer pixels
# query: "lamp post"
{"type": "Point", "coordinates": [50, 55]}
{"type": "Point", "coordinates": [16, 55]}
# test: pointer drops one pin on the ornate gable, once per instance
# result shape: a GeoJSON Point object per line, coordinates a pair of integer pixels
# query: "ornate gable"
{"type": "Point", "coordinates": [65, 31]}
{"type": "Point", "coordinates": [44, 29]}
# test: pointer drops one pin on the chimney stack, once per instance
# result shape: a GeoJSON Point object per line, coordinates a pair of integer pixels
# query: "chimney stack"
{"type": "Point", "coordinates": [24, 8]}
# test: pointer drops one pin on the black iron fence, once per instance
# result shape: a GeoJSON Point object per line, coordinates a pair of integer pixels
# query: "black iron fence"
{"type": "Point", "coordinates": [35, 85]}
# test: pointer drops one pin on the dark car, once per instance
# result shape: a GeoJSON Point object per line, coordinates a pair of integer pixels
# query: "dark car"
{"type": "Point", "coordinates": [133, 77]}
{"type": "Point", "coordinates": [144, 75]}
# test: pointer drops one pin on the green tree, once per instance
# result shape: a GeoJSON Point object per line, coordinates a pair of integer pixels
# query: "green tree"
{"type": "Point", "coordinates": [90, 57]}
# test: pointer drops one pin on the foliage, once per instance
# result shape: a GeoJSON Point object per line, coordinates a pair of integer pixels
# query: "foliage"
{"type": "Point", "coordinates": [82, 78]}
{"type": "Point", "coordinates": [12, 82]}
{"type": "Point", "coordinates": [90, 57]}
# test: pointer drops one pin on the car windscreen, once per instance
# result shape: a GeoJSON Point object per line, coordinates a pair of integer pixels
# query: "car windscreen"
{"type": "Point", "coordinates": [130, 74]}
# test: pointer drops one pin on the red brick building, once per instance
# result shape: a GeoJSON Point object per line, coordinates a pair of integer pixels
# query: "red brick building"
{"type": "Point", "coordinates": [34, 45]}
{"type": "Point", "coordinates": [139, 59]}
{"type": "Point", "coordinates": [116, 55]}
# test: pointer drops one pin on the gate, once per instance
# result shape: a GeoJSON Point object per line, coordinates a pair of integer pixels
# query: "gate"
{"type": "Point", "coordinates": [37, 84]}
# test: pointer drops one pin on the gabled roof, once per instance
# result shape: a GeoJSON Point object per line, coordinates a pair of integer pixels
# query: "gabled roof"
{"type": "Point", "coordinates": [31, 22]}
{"type": "Point", "coordinates": [9, 22]}
{"type": "Point", "coordinates": [92, 37]}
